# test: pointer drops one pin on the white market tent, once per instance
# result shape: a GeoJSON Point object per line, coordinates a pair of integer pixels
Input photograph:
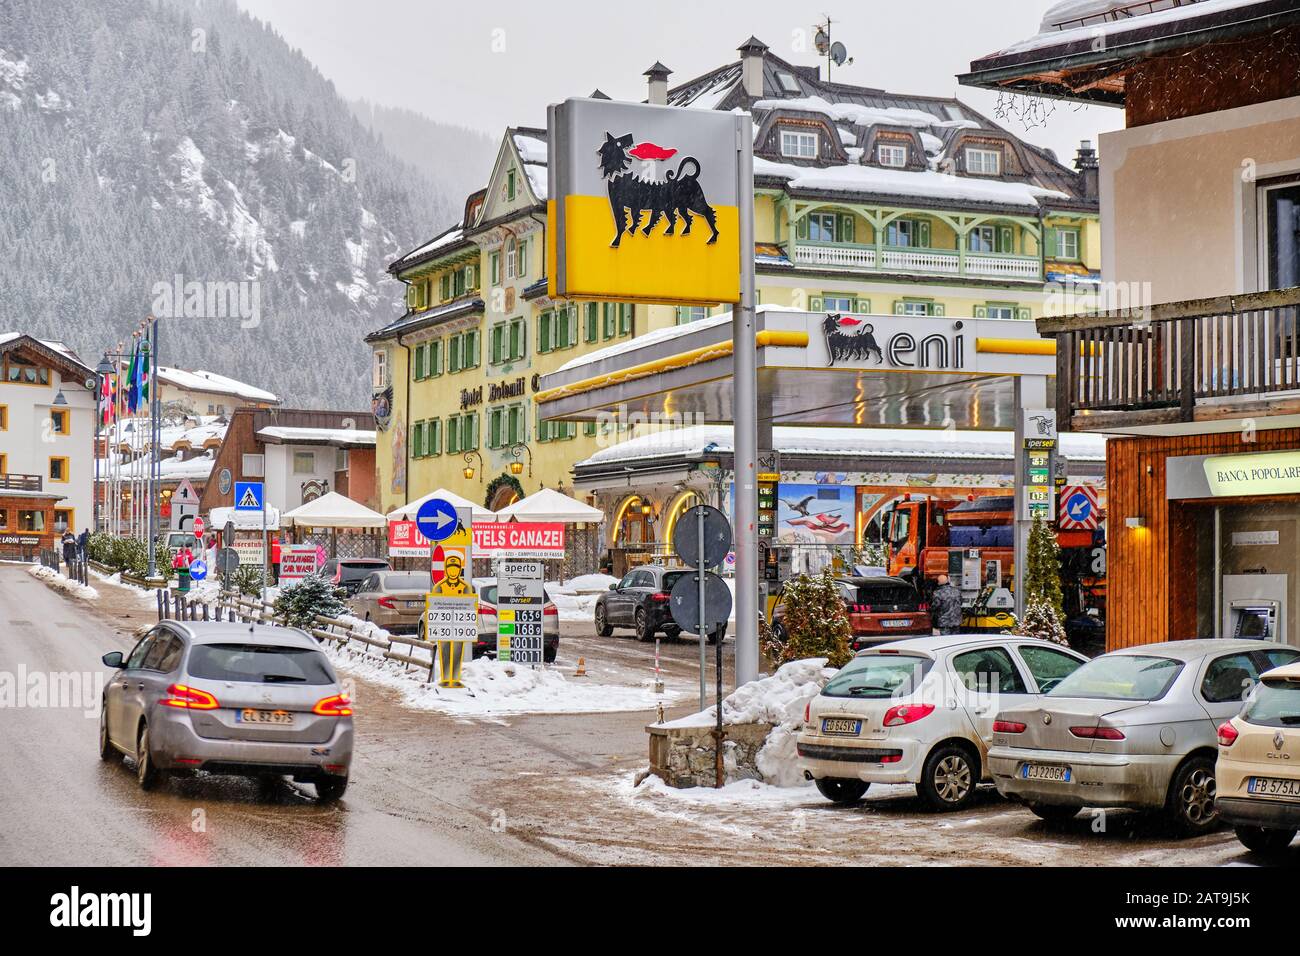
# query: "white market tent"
{"type": "Point", "coordinates": [333, 510]}
{"type": "Point", "coordinates": [549, 505]}
{"type": "Point", "coordinates": [407, 512]}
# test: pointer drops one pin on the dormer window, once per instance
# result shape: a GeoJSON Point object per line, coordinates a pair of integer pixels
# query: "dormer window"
{"type": "Point", "coordinates": [798, 145]}
{"type": "Point", "coordinates": [983, 162]}
{"type": "Point", "coordinates": [892, 155]}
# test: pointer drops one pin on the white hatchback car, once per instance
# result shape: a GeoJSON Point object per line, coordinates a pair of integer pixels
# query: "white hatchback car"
{"type": "Point", "coordinates": [921, 711]}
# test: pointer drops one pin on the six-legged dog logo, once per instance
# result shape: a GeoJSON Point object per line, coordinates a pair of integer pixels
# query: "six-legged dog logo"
{"type": "Point", "coordinates": [678, 194]}
{"type": "Point", "coordinates": [848, 339]}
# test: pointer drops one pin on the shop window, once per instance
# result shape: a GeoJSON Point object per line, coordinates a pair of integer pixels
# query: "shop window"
{"type": "Point", "coordinates": [4, 518]}
{"type": "Point", "coordinates": [31, 521]}
{"type": "Point", "coordinates": [64, 519]}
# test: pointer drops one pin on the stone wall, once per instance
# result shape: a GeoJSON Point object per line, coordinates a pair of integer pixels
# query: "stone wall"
{"type": "Point", "coordinates": [684, 757]}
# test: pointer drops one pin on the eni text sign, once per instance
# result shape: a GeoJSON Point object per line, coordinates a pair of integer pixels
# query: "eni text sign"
{"type": "Point", "coordinates": [644, 203]}
{"type": "Point", "coordinates": [520, 539]}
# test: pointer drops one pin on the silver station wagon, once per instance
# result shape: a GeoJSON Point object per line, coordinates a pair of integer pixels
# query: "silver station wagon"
{"type": "Point", "coordinates": [1134, 728]}
{"type": "Point", "coordinates": [228, 698]}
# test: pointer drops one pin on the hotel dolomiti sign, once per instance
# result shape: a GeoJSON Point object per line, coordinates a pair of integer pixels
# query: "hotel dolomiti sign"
{"type": "Point", "coordinates": [643, 202]}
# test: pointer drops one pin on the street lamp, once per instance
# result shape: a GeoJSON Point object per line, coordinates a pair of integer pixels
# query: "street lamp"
{"type": "Point", "coordinates": [517, 466]}
{"type": "Point", "coordinates": [468, 471]}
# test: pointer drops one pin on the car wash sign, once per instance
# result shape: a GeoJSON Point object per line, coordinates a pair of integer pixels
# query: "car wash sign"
{"type": "Point", "coordinates": [643, 202]}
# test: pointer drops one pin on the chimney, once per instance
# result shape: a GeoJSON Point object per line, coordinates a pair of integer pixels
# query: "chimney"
{"type": "Point", "coordinates": [751, 67]}
{"type": "Point", "coordinates": [658, 84]}
{"type": "Point", "coordinates": [1085, 161]}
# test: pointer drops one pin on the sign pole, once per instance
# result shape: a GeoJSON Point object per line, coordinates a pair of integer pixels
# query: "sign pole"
{"type": "Point", "coordinates": [745, 416]}
{"type": "Point", "coordinates": [265, 549]}
{"type": "Point", "coordinates": [699, 570]}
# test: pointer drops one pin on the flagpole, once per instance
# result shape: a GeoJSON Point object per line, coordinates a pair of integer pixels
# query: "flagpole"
{"type": "Point", "coordinates": [154, 463]}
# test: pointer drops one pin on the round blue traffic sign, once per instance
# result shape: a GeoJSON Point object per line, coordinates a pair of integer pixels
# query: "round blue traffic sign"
{"type": "Point", "coordinates": [198, 570]}
{"type": "Point", "coordinates": [436, 519]}
{"type": "Point", "coordinates": [1079, 507]}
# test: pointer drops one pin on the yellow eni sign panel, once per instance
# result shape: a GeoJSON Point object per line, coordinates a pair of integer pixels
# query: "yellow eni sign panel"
{"type": "Point", "coordinates": [644, 204]}
{"type": "Point", "coordinates": [1264, 473]}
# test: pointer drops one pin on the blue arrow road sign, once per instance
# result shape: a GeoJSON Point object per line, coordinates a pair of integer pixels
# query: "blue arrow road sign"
{"type": "Point", "coordinates": [198, 570]}
{"type": "Point", "coordinates": [436, 519]}
{"type": "Point", "coordinates": [248, 496]}
{"type": "Point", "coordinates": [1079, 507]}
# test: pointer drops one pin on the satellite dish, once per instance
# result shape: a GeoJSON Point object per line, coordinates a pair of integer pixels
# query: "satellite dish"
{"type": "Point", "coordinates": [821, 41]}
{"type": "Point", "coordinates": [838, 53]}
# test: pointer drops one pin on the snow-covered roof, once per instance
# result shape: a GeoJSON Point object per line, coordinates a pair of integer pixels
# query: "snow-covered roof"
{"type": "Point", "coordinates": [53, 345]}
{"type": "Point", "coordinates": [1072, 20]}
{"type": "Point", "coordinates": [339, 437]}
{"type": "Point", "coordinates": [443, 240]}
{"type": "Point", "coordinates": [170, 468]}
{"type": "Point", "coordinates": [649, 338]}
{"type": "Point", "coordinates": [200, 380]}
{"type": "Point", "coordinates": [844, 442]}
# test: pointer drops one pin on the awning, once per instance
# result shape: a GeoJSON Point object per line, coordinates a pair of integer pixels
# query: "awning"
{"type": "Point", "coordinates": [333, 510]}
{"type": "Point", "coordinates": [407, 512]}
{"type": "Point", "coordinates": [549, 505]}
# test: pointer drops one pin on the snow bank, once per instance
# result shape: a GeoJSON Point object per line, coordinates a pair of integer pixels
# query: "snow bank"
{"type": "Point", "coordinates": [63, 583]}
{"type": "Point", "coordinates": [575, 599]}
{"type": "Point", "coordinates": [778, 700]}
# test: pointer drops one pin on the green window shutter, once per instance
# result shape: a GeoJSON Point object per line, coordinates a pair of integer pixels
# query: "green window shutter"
{"type": "Point", "coordinates": [591, 318]}
{"type": "Point", "coordinates": [516, 339]}
{"type": "Point", "coordinates": [681, 314]}
{"type": "Point", "coordinates": [625, 318]}
{"type": "Point", "coordinates": [453, 435]}
{"type": "Point", "coordinates": [444, 286]}
{"type": "Point", "coordinates": [544, 331]}
{"type": "Point", "coordinates": [523, 257]}
{"type": "Point", "coordinates": [417, 440]}
{"type": "Point", "coordinates": [816, 303]}
{"type": "Point", "coordinates": [801, 228]}
{"type": "Point", "coordinates": [562, 328]}
{"type": "Point", "coordinates": [542, 427]}
{"type": "Point", "coordinates": [1051, 242]}
{"type": "Point", "coordinates": [473, 433]}
{"type": "Point", "coordinates": [845, 230]}
{"type": "Point", "coordinates": [937, 308]}
{"type": "Point", "coordinates": [435, 437]}
{"type": "Point", "coordinates": [923, 235]}
{"type": "Point", "coordinates": [411, 296]}
{"type": "Point", "coordinates": [417, 368]}
{"type": "Point", "coordinates": [608, 315]}
{"type": "Point", "coordinates": [494, 428]}
{"type": "Point", "coordinates": [472, 276]}
{"type": "Point", "coordinates": [589, 429]}
{"type": "Point", "coordinates": [1006, 240]}
{"type": "Point", "coordinates": [1024, 314]}
{"type": "Point", "coordinates": [496, 343]}
{"type": "Point", "coordinates": [899, 305]}
{"type": "Point", "coordinates": [435, 353]}
{"type": "Point", "coordinates": [472, 348]}
{"type": "Point", "coordinates": [494, 268]}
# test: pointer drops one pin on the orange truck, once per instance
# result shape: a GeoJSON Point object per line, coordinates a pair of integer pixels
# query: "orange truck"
{"type": "Point", "coordinates": [972, 541]}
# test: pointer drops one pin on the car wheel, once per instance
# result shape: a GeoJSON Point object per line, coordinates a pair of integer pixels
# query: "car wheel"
{"type": "Point", "coordinates": [330, 789]}
{"type": "Point", "coordinates": [602, 622]}
{"type": "Point", "coordinates": [106, 750]}
{"type": "Point", "coordinates": [641, 621]}
{"type": "Point", "coordinates": [1190, 805]}
{"type": "Point", "coordinates": [548, 654]}
{"type": "Point", "coordinates": [949, 777]}
{"type": "Point", "coordinates": [1262, 840]}
{"type": "Point", "coordinates": [1054, 812]}
{"type": "Point", "coordinates": [839, 790]}
{"type": "Point", "coordinates": [146, 772]}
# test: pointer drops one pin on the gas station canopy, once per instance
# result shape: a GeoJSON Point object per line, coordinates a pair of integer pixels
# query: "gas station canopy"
{"type": "Point", "coordinates": [813, 369]}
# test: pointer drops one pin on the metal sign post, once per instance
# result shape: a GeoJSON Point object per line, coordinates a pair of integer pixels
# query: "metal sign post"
{"type": "Point", "coordinates": [745, 416]}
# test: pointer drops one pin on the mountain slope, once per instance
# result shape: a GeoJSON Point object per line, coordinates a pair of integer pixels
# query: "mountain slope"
{"type": "Point", "coordinates": [150, 139]}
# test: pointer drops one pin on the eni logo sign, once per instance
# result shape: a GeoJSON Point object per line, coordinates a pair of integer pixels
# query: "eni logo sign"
{"type": "Point", "coordinates": [850, 340]}
{"type": "Point", "coordinates": [644, 203]}
{"type": "Point", "coordinates": [1266, 473]}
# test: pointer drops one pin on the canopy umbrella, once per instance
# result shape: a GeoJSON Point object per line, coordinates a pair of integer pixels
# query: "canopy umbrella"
{"type": "Point", "coordinates": [334, 510]}
{"type": "Point", "coordinates": [407, 512]}
{"type": "Point", "coordinates": [549, 505]}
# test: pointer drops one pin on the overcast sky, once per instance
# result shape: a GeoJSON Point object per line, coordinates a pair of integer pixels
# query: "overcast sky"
{"type": "Point", "coordinates": [491, 65]}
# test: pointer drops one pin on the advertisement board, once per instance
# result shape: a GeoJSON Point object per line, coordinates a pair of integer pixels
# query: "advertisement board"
{"type": "Point", "coordinates": [405, 540]}
{"type": "Point", "coordinates": [520, 539]}
{"type": "Point", "coordinates": [298, 561]}
{"type": "Point", "coordinates": [520, 599]}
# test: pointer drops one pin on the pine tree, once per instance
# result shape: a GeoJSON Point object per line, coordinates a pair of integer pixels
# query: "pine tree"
{"type": "Point", "coordinates": [300, 603]}
{"type": "Point", "coordinates": [815, 624]}
{"type": "Point", "coordinates": [1044, 605]}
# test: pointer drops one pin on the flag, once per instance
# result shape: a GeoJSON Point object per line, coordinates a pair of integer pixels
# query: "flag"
{"type": "Point", "coordinates": [143, 387]}
{"type": "Point", "coordinates": [132, 382]}
{"type": "Point", "coordinates": [107, 395]}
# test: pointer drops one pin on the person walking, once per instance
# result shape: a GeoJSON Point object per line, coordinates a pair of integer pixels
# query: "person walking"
{"type": "Point", "coordinates": [83, 543]}
{"type": "Point", "coordinates": [275, 559]}
{"type": "Point", "coordinates": [69, 550]}
{"type": "Point", "coordinates": [945, 607]}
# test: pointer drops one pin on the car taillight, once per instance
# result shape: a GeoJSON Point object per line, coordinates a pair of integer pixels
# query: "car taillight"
{"type": "Point", "coordinates": [807, 713]}
{"type": "Point", "coordinates": [1227, 734]}
{"type": "Point", "coordinates": [1008, 727]}
{"type": "Point", "coordinates": [1098, 733]}
{"type": "Point", "coordinates": [550, 610]}
{"type": "Point", "coordinates": [906, 714]}
{"type": "Point", "coordinates": [660, 596]}
{"type": "Point", "coordinates": [923, 606]}
{"type": "Point", "coordinates": [861, 609]}
{"type": "Point", "coordinates": [386, 602]}
{"type": "Point", "coordinates": [189, 698]}
{"type": "Point", "coordinates": [339, 705]}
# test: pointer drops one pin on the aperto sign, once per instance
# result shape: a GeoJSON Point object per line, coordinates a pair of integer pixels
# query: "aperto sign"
{"type": "Point", "coordinates": [1265, 473]}
{"type": "Point", "coordinates": [644, 204]}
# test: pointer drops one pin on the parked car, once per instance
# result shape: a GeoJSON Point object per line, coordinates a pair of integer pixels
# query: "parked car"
{"type": "Point", "coordinates": [640, 602]}
{"type": "Point", "coordinates": [349, 573]}
{"type": "Point", "coordinates": [1257, 776]}
{"type": "Point", "coordinates": [176, 540]}
{"type": "Point", "coordinates": [392, 599]}
{"type": "Point", "coordinates": [879, 609]}
{"type": "Point", "coordinates": [228, 698]}
{"type": "Point", "coordinates": [920, 711]}
{"type": "Point", "coordinates": [1134, 728]}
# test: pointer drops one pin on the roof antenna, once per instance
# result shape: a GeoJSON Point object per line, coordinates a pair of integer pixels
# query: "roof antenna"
{"type": "Point", "coordinates": [835, 53]}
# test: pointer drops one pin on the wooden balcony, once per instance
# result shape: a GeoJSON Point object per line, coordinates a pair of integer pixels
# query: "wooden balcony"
{"type": "Point", "coordinates": [916, 261]}
{"type": "Point", "coordinates": [20, 482]}
{"type": "Point", "coordinates": [1205, 360]}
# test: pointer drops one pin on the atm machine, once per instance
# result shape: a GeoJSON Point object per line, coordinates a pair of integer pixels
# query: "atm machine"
{"type": "Point", "coordinates": [1255, 606]}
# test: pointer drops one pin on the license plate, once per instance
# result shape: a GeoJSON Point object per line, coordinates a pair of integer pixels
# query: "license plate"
{"type": "Point", "coordinates": [841, 726]}
{"type": "Point", "coordinates": [250, 716]}
{"type": "Point", "coordinates": [415, 604]}
{"type": "Point", "coordinates": [906, 623]}
{"type": "Point", "coordinates": [1039, 771]}
{"type": "Point", "coordinates": [1273, 787]}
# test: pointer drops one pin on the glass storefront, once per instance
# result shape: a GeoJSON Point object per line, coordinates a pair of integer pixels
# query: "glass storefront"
{"type": "Point", "coordinates": [1248, 569]}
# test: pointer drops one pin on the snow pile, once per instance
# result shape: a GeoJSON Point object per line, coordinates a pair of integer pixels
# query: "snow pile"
{"type": "Point", "coordinates": [778, 700]}
{"type": "Point", "coordinates": [575, 599]}
{"type": "Point", "coordinates": [63, 583]}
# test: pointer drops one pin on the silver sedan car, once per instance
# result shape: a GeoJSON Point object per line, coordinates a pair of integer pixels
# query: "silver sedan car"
{"type": "Point", "coordinates": [228, 698]}
{"type": "Point", "coordinates": [1134, 728]}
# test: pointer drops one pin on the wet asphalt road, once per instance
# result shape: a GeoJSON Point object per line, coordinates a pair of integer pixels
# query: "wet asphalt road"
{"type": "Point", "coordinates": [408, 803]}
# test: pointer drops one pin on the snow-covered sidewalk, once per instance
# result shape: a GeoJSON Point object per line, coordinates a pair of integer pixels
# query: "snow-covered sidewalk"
{"type": "Point", "coordinates": [61, 582]}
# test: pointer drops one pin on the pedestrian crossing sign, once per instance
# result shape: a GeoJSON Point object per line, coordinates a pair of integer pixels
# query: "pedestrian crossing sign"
{"type": "Point", "coordinates": [248, 496]}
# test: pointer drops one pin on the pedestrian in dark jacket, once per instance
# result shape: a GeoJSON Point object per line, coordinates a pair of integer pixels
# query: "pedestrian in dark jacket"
{"type": "Point", "coordinates": [83, 542]}
{"type": "Point", "coordinates": [945, 607]}
{"type": "Point", "coordinates": [69, 550]}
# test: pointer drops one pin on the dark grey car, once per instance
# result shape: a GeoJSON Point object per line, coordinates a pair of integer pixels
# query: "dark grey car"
{"type": "Point", "coordinates": [228, 698]}
{"type": "Point", "coordinates": [641, 602]}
